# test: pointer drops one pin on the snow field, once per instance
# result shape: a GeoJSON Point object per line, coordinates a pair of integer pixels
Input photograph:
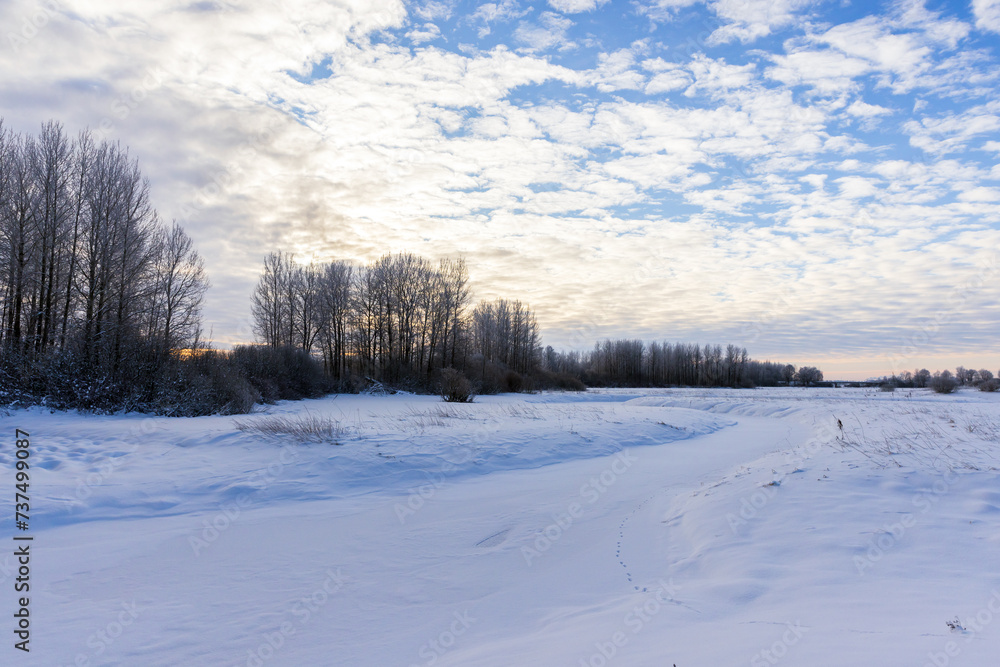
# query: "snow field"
{"type": "Point", "coordinates": [619, 527]}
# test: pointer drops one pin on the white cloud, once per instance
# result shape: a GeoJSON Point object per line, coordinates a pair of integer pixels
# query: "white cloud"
{"type": "Point", "coordinates": [428, 32]}
{"type": "Point", "coordinates": [980, 194]}
{"type": "Point", "coordinates": [489, 13]}
{"type": "Point", "coordinates": [615, 71]}
{"type": "Point", "coordinates": [828, 72]}
{"type": "Point", "coordinates": [434, 10]}
{"type": "Point", "coordinates": [666, 82]}
{"type": "Point", "coordinates": [576, 6]}
{"type": "Point", "coordinates": [867, 114]}
{"type": "Point", "coordinates": [667, 76]}
{"type": "Point", "coordinates": [717, 76]}
{"type": "Point", "coordinates": [913, 14]}
{"type": "Point", "coordinates": [817, 181]}
{"type": "Point", "coordinates": [987, 14]}
{"type": "Point", "coordinates": [751, 19]}
{"type": "Point", "coordinates": [863, 110]}
{"type": "Point", "coordinates": [663, 10]}
{"type": "Point", "coordinates": [951, 132]}
{"type": "Point", "coordinates": [901, 57]}
{"type": "Point", "coordinates": [550, 32]}
{"type": "Point", "coordinates": [856, 187]}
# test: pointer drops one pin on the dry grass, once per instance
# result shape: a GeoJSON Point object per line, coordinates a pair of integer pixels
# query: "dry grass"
{"type": "Point", "coordinates": [929, 437]}
{"type": "Point", "coordinates": [305, 428]}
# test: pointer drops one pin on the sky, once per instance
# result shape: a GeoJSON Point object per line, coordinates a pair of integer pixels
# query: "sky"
{"type": "Point", "coordinates": [816, 181]}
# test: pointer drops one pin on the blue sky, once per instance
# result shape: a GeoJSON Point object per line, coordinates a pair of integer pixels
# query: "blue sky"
{"type": "Point", "coordinates": [818, 181]}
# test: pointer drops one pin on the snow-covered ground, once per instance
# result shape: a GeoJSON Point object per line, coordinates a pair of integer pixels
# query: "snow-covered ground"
{"type": "Point", "coordinates": [619, 527]}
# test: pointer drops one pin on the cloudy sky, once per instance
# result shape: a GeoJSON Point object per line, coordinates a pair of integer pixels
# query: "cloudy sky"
{"type": "Point", "coordinates": [818, 181]}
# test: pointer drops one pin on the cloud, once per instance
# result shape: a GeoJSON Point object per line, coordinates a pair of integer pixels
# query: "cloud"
{"type": "Point", "coordinates": [549, 32]}
{"type": "Point", "coordinates": [827, 72]}
{"type": "Point", "coordinates": [349, 129]}
{"type": "Point", "coordinates": [864, 110]}
{"type": "Point", "coordinates": [428, 32]}
{"type": "Point", "coordinates": [576, 6]}
{"type": "Point", "coordinates": [987, 14]}
{"type": "Point", "coordinates": [748, 20]}
{"type": "Point", "coordinates": [616, 71]}
{"type": "Point", "coordinates": [913, 14]}
{"type": "Point", "coordinates": [867, 114]}
{"type": "Point", "coordinates": [952, 132]}
{"type": "Point", "coordinates": [434, 10]}
{"type": "Point", "coordinates": [490, 13]}
{"type": "Point", "coordinates": [663, 10]}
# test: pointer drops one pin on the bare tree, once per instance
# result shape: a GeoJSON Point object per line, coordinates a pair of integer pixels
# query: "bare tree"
{"type": "Point", "coordinates": [335, 315]}
{"type": "Point", "coordinates": [269, 304]}
{"type": "Point", "coordinates": [178, 289]}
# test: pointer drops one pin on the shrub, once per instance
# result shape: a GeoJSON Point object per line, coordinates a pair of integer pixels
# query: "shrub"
{"type": "Point", "coordinates": [888, 386]}
{"type": "Point", "coordinates": [512, 382]}
{"type": "Point", "coordinates": [455, 387]}
{"type": "Point", "coordinates": [148, 379]}
{"type": "Point", "coordinates": [491, 381]}
{"type": "Point", "coordinates": [305, 428]}
{"type": "Point", "coordinates": [283, 373]}
{"type": "Point", "coordinates": [989, 385]}
{"type": "Point", "coordinates": [554, 380]}
{"type": "Point", "coordinates": [943, 383]}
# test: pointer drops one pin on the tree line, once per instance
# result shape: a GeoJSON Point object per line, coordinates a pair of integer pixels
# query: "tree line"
{"type": "Point", "coordinates": [86, 265]}
{"type": "Point", "coordinates": [96, 289]}
{"type": "Point", "coordinates": [944, 382]}
{"type": "Point", "coordinates": [633, 363]}
{"type": "Point", "coordinates": [401, 319]}
{"type": "Point", "coordinates": [101, 298]}
{"type": "Point", "coordinates": [398, 320]}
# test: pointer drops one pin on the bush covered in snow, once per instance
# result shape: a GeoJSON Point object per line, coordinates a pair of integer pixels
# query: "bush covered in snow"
{"type": "Point", "coordinates": [210, 382]}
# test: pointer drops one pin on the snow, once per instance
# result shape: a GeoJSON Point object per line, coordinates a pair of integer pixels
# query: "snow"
{"type": "Point", "coordinates": [614, 527]}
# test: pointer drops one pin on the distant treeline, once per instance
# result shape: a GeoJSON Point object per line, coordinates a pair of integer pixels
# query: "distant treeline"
{"type": "Point", "coordinates": [632, 363]}
{"type": "Point", "coordinates": [401, 319]}
{"type": "Point", "coordinates": [944, 382]}
{"type": "Point", "coordinates": [398, 320]}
